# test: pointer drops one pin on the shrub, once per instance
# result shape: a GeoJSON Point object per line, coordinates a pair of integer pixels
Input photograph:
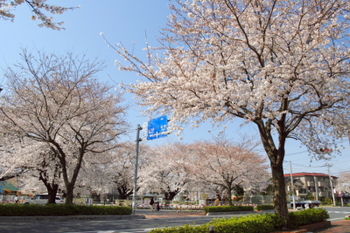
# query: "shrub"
{"type": "Point", "coordinates": [307, 216]}
{"type": "Point", "coordinates": [263, 223]}
{"type": "Point", "coordinates": [265, 207]}
{"type": "Point", "coordinates": [209, 209]}
{"type": "Point", "coordinates": [327, 201]}
{"type": "Point", "coordinates": [61, 210]}
{"type": "Point", "coordinates": [257, 223]}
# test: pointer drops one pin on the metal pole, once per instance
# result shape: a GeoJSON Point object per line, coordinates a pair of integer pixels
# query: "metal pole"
{"type": "Point", "coordinates": [136, 167]}
{"type": "Point", "coordinates": [330, 180]}
{"type": "Point", "coordinates": [292, 184]}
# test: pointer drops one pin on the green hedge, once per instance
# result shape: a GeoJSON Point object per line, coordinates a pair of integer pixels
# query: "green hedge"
{"type": "Point", "coordinates": [227, 208]}
{"type": "Point", "coordinates": [308, 216]}
{"type": "Point", "coordinates": [257, 223]}
{"type": "Point", "coordinates": [254, 223]}
{"type": "Point", "coordinates": [265, 207]}
{"type": "Point", "coordinates": [61, 210]}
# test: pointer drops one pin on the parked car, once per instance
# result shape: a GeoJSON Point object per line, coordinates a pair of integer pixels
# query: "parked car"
{"type": "Point", "coordinates": [42, 199]}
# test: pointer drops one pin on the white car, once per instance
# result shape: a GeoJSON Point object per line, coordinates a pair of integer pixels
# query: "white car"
{"type": "Point", "coordinates": [42, 199]}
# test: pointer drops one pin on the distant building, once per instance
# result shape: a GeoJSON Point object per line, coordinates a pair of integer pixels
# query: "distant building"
{"type": "Point", "coordinates": [316, 184]}
{"type": "Point", "coordinates": [8, 187]}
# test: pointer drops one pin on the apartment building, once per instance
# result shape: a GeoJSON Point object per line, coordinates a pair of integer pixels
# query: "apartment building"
{"type": "Point", "coordinates": [317, 184]}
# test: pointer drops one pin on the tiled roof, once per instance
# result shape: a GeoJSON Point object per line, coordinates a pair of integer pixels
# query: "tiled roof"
{"type": "Point", "coordinates": [307, 174]}
{"type": "Point", "coordinates": [4, 185]}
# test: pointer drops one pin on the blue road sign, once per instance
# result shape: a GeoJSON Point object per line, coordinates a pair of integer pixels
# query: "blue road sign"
{"type": "Point", "coordinates": [157, 128]}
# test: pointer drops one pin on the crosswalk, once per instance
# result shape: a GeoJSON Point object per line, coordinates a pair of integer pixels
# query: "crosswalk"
{"type": "Point", "coordinates": [338, 212]}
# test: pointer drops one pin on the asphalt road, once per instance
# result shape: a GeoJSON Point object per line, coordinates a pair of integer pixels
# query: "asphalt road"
{"type": "Point", "coordinates": [337, 213]}
{"type": "Point", "coordinates": [124, 225]}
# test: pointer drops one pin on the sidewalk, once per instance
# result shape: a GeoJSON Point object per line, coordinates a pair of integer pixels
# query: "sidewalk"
{"type": "Point", "coordinates": [342, 226]}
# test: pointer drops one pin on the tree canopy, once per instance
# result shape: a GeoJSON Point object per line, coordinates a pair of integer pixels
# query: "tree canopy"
{"type": "Point", "coordinates": [55, 100]}
{"type": "Point", "coordinates": [39, 9]}
{"type": "Point", "coordinates": [280, 65]}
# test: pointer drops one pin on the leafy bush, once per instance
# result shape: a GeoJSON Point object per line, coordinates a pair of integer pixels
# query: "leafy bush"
{"type": "Point", "coordinates": [61, 210]}
{"type": "Point", "coordinates": [307, 216]}
{"type": "Point", "coordinates": [265, 207]}
{"type": "Point", "coordinates": [209, 209]}
{"type": "Point", "coordinates": [183, 229]}
{"type": "Point", "coordinates": [257, 223]}
{"type": "Point", "coordinates": [327, 201]}
{"type": "Point", "coordinates": [262, 223]}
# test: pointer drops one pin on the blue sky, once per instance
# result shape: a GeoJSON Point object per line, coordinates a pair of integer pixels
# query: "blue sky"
{"type": "Point", "coordinates": [126, 22]}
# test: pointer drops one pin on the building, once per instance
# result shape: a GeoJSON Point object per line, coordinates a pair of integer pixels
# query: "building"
{"type": "Point", "coordinates": [319, 185]}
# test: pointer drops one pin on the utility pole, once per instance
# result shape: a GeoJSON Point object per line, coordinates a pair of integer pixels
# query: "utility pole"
{"type": "Point", "coordinates": [138, 139]}
{"type": "Point", "coordinates": [292, 184]}
{"type": "Point", "coordinates": [331, 183]}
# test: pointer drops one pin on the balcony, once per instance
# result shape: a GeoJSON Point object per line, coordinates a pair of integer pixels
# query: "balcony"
{"type": "Point", "coordinates": [322, 183]}
{"type": "Point", "coordinates": [324, 194]}
{"type": "Point", "coordinates": [310, 184]}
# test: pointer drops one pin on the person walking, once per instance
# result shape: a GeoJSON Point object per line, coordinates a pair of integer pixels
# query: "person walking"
{"type": "Point", "coordinates": [152, 203]}
{"type": "Point", "coordinates": [16, 199]}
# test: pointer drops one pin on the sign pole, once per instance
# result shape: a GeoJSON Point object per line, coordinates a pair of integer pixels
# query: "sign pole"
{"type": "Point", "coordinates": [292, 184]}
{"type": "Point", "coordinates": [138, 139]}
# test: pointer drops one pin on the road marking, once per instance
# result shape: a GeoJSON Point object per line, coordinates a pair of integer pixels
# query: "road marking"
{"type": "Point", "coordinates": [334, 219]}
{"type": "Point", "coordinates": [339, 212]}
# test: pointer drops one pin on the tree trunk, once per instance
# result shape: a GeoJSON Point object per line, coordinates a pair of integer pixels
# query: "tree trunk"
{"type": "Point", "coordinates": [169, 195]}
{"type": "Point", "coordinates": [124, 191]}
{"type": "Point", "coordinates": [69, 194]}
{"type": "Point", "coordinates": [52, 191]}
{"type": "Point", "coordinates": [50, 187]}
{"type": "Point", "coordinates": [229, 194]}
{"type": "Point", "coordinates": [280, 200]}
{"type": "Point", "coordinates": [276, 157]}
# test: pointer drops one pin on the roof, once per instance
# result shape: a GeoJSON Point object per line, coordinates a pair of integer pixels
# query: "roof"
{"type": "Point", "coordinates": [4, 185]}
{"type": "Point", "coordinates": [295, 180]}
{"type": "Point", "coordinates": [308, 174]}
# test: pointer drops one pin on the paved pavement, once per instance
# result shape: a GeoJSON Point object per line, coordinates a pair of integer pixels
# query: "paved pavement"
{"type": "Point", "coordinates": [342, 226]}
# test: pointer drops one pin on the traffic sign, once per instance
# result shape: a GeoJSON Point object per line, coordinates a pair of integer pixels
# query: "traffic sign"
{"type": "Point", "coordinates": [157, 128]}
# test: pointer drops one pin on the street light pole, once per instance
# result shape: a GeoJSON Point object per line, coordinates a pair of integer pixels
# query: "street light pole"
{"type": "Point", "coordinates": [138, 139]}
{"type": "Point", "coordinates": [331, 183]}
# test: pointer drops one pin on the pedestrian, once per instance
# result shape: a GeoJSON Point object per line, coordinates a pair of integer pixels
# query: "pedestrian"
{"type": "Point", "coordinates": [158, 206]}
{"type": "Point", "coordinates": [16, 199]}
{"type": "Point", "coordinates": [152, 203]}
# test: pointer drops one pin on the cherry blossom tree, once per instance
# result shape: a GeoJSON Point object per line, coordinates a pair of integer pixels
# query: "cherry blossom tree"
{"type": "Point", "coordinates": [166, 170]}
{"type": "Point", "coordinates": [281, 65]}
{"type": "Point", "coordinates": [7, 8]}
{"type": "Point", "coordinates": [55, 100]}
{"type": "Point", "coordinates": [343, 184]}
{"type": "Point", "coordinates": [121, 168]}
{"type": "Point", "coordinates": [33, 161]}
{"type": "Point", "coordinates": [8, 161]}
{"type": "Point", "coordinates": [227, 165]}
